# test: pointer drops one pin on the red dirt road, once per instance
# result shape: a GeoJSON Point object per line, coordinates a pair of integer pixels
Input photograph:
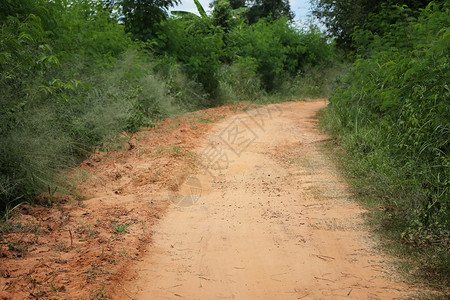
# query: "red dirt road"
{"type": "Point", "coordinates": [267, 217]}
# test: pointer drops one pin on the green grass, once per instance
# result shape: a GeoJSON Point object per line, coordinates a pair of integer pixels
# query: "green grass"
{"type": "Point", "coordinates": [382, 186]}
{"type": "Point", "coordinates": [314, 82]}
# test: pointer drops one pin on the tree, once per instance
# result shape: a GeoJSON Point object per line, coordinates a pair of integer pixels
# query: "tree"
{"type": "Point", "coordinates": [235, 4]}
{"type": "Point", "coordinates": [142, 17]}
{"type": "Point", "coordinates": [259, 9]}
{"type": "Point", "coordinates": [264, 8]}
{"type": "Point", "coordinates": [341, 17]}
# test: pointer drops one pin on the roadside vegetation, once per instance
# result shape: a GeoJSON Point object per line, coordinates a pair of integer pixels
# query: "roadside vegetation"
{"type": "Point", "coordinates": [391, 116]}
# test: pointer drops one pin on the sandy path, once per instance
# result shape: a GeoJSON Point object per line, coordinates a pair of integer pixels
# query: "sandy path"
{"type": "Point", "coordinates": [273, 221]}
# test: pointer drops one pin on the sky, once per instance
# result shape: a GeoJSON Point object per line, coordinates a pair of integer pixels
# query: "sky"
{"type": "Point", "coordinates": [301, 8]}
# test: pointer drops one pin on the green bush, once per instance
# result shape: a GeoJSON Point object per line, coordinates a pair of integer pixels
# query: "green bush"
{"type": "Point", "coordinates": [59, 101]}
{"type": "Point", "coordinates": [319, 81]}
{"type": "Point", "coordinates": [280, 50]}
{"type": "Point", "coordinates": [240, 81]}
{"type": "Point", "coordinates": [198, 48]}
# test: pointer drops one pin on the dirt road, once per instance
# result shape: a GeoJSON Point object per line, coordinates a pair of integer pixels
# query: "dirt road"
{"type": "Point", "coordinates": [268, 217]}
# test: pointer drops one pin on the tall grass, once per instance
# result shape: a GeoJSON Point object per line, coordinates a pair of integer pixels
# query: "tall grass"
{"type": "Point", "coordinates": [315, 82]}
{"type": "Point", "coordinates": [391, 117]}
{"type": "Point", "coordinates": [53, 136]}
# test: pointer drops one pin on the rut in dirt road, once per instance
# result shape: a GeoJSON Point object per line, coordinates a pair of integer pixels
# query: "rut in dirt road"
{"type": "Point", "coordinates": [273, 221]}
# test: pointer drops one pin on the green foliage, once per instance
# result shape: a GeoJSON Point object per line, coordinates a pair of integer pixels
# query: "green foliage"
{"type": "Point", "coordinates": [255, 10]}
{"type": "Point", "coordinates": [392, 113]}
{"type": "Point", "coordinates": [88, 32]}
{"type": "Point", "coordinates": [143, 17]}
{"type": "Point", "coordinates": [24, 8]}
{"type": "Point", "coordinates": [276, 9]}
{"type": "Point", "coordinates": [315, 82]}
{"type": "Point", "coordinates": [222, 15]}
{"type": "Point", "coordinates": [65, 91]}
{"type": "Point", "coordinates": [197, 47]}
{"type": "Point", "coordinates": [241, 81]}
{"type": "Point", "coordinates": [279, 49]}
{"type": "Point", "coordinates": [211, 48]}
{"type": "Point", "coordinates": [200, 9]}
{"type": "Point", "coordinates": [187, 94]}
{"type": "Point", "coordinates": [121, 228]}
{"type": "Point", "coordinates": [342, 17]}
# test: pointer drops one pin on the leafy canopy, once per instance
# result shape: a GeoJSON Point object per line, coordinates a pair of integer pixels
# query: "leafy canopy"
{"type": "Point", "coordinates": [341, 17]}
{"type": "Point", "coordinates": [142, 18]}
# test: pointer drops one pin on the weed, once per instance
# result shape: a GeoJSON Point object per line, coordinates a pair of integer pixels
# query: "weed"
{"type": "Point", "coordinates": [119, 190]}
{"type": "Point", "coordinates": [124, 254]}
{"type": "Point", "coordinates": [120, 228]}
{"type": "Point", "coordinates": [98, 294]}
{"type": "Point", "coordinates": [204, 120]}
{"type": "Point", "coordinates": [176, 150]}
{"type": "Point", "coordinates": [390, 116]}
{"type": "Point", "coordinates": [160, 150]}
{"type": "Point", "coordinates": [19, 250]}
{"type": "Point", "coordinates": [56, 289]}
{"type": "Point", "coordinates": [423, 264]}
{"type": "Point", "coordinates": [87, 230]}
{"type": "Point", "coordinates": [94, 272]}
{"type": "Point", "coordinates": [79, 176]}
{"type": "Point", "coordinates": [51, 193]}
{"type": "Point", "coordinates": [61, 247]}
{"type": "Point", "coordinates": [18, 227]}
{"type": "Point", "coordinates": [153, 179]}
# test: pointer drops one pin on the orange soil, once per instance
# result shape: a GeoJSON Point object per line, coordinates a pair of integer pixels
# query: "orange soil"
{"type": "Point", "coordinates": [78, 249]}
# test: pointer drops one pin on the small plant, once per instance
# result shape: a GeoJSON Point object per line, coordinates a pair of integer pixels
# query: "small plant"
{"type": "Point", "coordinates": [19, 227]}
{"type": "Point", "coordinates": [51, 194]}
{"type": "Point", "coordinates": [61, 247]}
{"type": "Point", "coordinates": [18, 249]}
{"type": "Point", "coordinates": [87, 230]}
{"type": "Point", "coordinates": [94, 273]}
{"type": "Point", "coordinates": [124, 254]}
{"type": "Point", "coordinates": [176, 150]}
{"type": "Point", "coordinates": [119, 190]}
{"type": "Point", "coordinates": [205, 120]}
{"type": "Point", "coordinates": [98, 294]}
{"type": "Point", "coordinates": [57, 289]}
{"type": "Point", "coordinates": [153, 179]}
{"type": "Point", "coordinates": [120, 228]}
